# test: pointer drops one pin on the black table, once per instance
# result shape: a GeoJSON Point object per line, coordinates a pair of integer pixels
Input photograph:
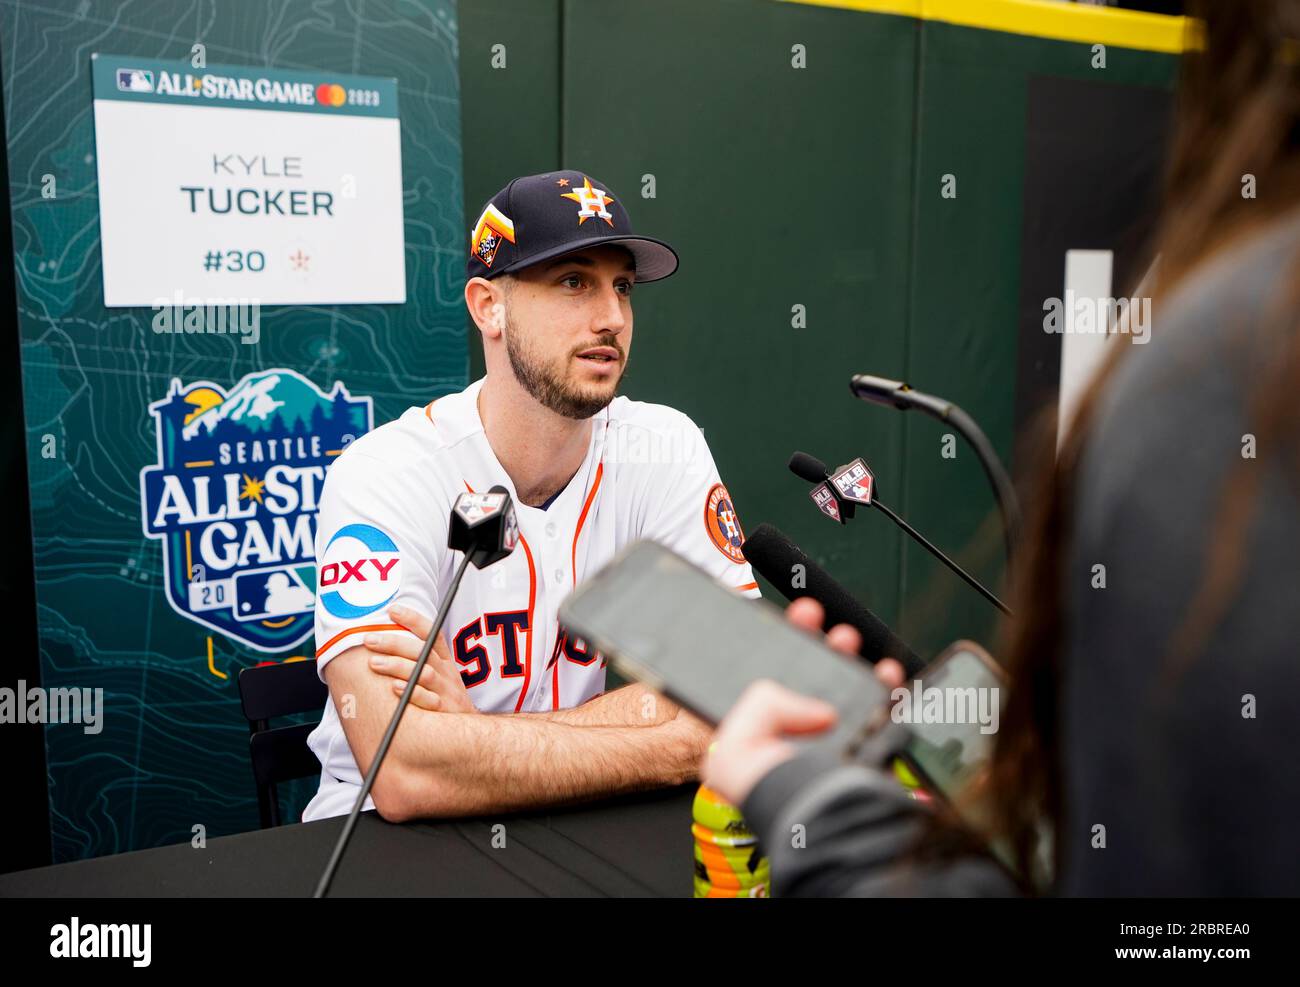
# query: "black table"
{"type": "Point", "coordinates": [633, 846]}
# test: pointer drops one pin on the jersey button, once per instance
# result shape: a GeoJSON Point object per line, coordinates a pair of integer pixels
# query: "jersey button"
{"type": "Point", "coordinates": [559, 575]}
{"type": "Point", "coordinates": [550, 530]}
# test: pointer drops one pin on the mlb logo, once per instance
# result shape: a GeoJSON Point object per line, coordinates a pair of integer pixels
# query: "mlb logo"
{"type": "Point", "coordinates": [826, 502]}
{"type": "Point", "coordinates": [135, 80]}
{"type": "Point", "coordinates": [854, 482]}
{"type": "Point", "coordinates": [512, 531]}
{"type": "Point", "coordinates": [474, 507]}
{"type": "Point", "coordinates": [275, 592]}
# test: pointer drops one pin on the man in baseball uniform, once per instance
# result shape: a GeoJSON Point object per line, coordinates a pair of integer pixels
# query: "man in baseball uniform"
{"type": "Point", "coordinates": [511, 710]}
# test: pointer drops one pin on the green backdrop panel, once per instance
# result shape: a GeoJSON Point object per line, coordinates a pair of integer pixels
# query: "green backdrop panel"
{"type": "Point", "coordinates": [964, 325]}
{"type": "Point", "coordinates": [780, 187]}
{"type": "Point", "coordinates": [510, 110]}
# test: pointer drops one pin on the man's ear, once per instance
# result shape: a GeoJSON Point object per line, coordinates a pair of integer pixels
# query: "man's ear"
{"type": "Point", "coordinates": [486, 301]}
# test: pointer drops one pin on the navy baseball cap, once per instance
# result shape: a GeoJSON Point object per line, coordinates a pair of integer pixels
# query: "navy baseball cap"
{"type": "Point", "coordinates": [539, 217]}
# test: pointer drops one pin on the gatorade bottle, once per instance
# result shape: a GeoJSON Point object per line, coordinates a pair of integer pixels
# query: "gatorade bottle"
{"type": "Point", "coordinates": [909, 781]}
{"type": "Point", "coordinates": [728, 863]}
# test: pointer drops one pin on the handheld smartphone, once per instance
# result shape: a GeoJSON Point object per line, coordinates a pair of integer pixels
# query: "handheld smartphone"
{"type": "Point", "coordinates": [952, 710]}
{"type": "Point", "coordinates": [662, 621]}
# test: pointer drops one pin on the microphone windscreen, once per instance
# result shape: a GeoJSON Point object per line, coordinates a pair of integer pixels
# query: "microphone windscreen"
{"type": "Point", "coordinates": [807, 467]}
{"type": "Point", "coordinates": [773, 555]}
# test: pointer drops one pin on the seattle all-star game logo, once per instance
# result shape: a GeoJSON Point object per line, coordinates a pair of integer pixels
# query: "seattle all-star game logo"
{"type": "Point", "coordinates": [234, 494]}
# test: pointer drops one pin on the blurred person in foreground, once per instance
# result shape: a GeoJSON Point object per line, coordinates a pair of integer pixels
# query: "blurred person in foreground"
{"type": "Point", "coordinates": [1164, 706]}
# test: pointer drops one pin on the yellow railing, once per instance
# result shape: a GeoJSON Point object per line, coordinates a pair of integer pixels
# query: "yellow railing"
{"type": "Point", "coordinates": [1040, 19]}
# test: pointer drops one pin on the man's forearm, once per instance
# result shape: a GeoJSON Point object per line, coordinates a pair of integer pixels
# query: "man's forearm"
{"type": "Point", "coordinates": [479, 763]}
{"type": "Point", "coordinates": [444, 763]}
{"type": "Point", "coordinates": [631, 705]}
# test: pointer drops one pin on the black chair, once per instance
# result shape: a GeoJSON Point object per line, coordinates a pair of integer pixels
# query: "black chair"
{"type": "Point", "coordinates": [280, 753]}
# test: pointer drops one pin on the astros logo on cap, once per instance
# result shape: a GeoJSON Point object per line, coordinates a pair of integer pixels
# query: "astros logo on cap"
{"type": "Point", "coordinates": [592, 200]}
{"type": "Point", "coordinates": [492, 227]}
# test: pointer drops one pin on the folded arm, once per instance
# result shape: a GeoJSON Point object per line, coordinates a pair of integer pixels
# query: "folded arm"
{"type": "Point", "coordinates": [462, 763]}
{"type": "Point", "coordinates": [631, 705]}
{"type": "Point", "coordinates": [442, 688]}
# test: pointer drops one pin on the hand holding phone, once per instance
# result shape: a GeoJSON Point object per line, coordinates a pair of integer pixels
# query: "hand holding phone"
{"type": "Point", "coordinates": [662, 621]}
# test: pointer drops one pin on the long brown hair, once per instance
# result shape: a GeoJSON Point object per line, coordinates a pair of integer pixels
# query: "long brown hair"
{"type": "Point", "coordinates": [1238, 115]}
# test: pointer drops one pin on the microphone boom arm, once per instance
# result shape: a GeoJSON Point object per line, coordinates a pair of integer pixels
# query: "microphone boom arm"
{"type": "Point", "coordinates": [897, 394]}
{"type": "Point", "coordinates": [925, 543]}
{"type": "Point", "coordinates": [327, 878]}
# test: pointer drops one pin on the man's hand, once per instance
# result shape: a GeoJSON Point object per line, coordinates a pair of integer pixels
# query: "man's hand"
{"type": "Point", "coordinates": [750, 740]}
{"type": "Point", "coordinates": [695, 734]}
{"type": "Point", "coordinates": [440, 689]}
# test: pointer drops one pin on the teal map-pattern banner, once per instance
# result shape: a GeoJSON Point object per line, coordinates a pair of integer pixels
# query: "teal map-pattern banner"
{"type": "Point", "coordinates": [118, 412]}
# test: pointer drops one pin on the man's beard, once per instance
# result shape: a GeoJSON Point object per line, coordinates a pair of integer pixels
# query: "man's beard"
{"type": "Point", "coordinates": [549, 385]}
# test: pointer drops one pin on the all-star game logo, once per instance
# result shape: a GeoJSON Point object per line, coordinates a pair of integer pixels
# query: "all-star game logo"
{"type": "Point", "coordinates": [492, 227]}
{"type": "Point", "coordinates": [234, 497]}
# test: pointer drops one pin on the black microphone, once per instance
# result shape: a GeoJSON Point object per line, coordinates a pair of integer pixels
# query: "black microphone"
{"type": "Point", "coordinates": [825, 496]}
{"type": "Point", "coordinates": [854, 483]}
{"type": "Point", "coordinates": [808, 467]}
{"type": "Point", "coordinates": [483, 526]}
{"type": "Point", "coordinates": [773, 556]}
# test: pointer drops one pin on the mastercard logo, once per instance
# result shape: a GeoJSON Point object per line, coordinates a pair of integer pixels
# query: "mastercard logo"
{"type": "Point", "coordinates": [330, 94]}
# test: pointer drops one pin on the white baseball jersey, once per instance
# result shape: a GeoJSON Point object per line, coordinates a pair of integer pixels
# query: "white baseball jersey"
{"type": "Point", "coordinates": [381, 539]}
